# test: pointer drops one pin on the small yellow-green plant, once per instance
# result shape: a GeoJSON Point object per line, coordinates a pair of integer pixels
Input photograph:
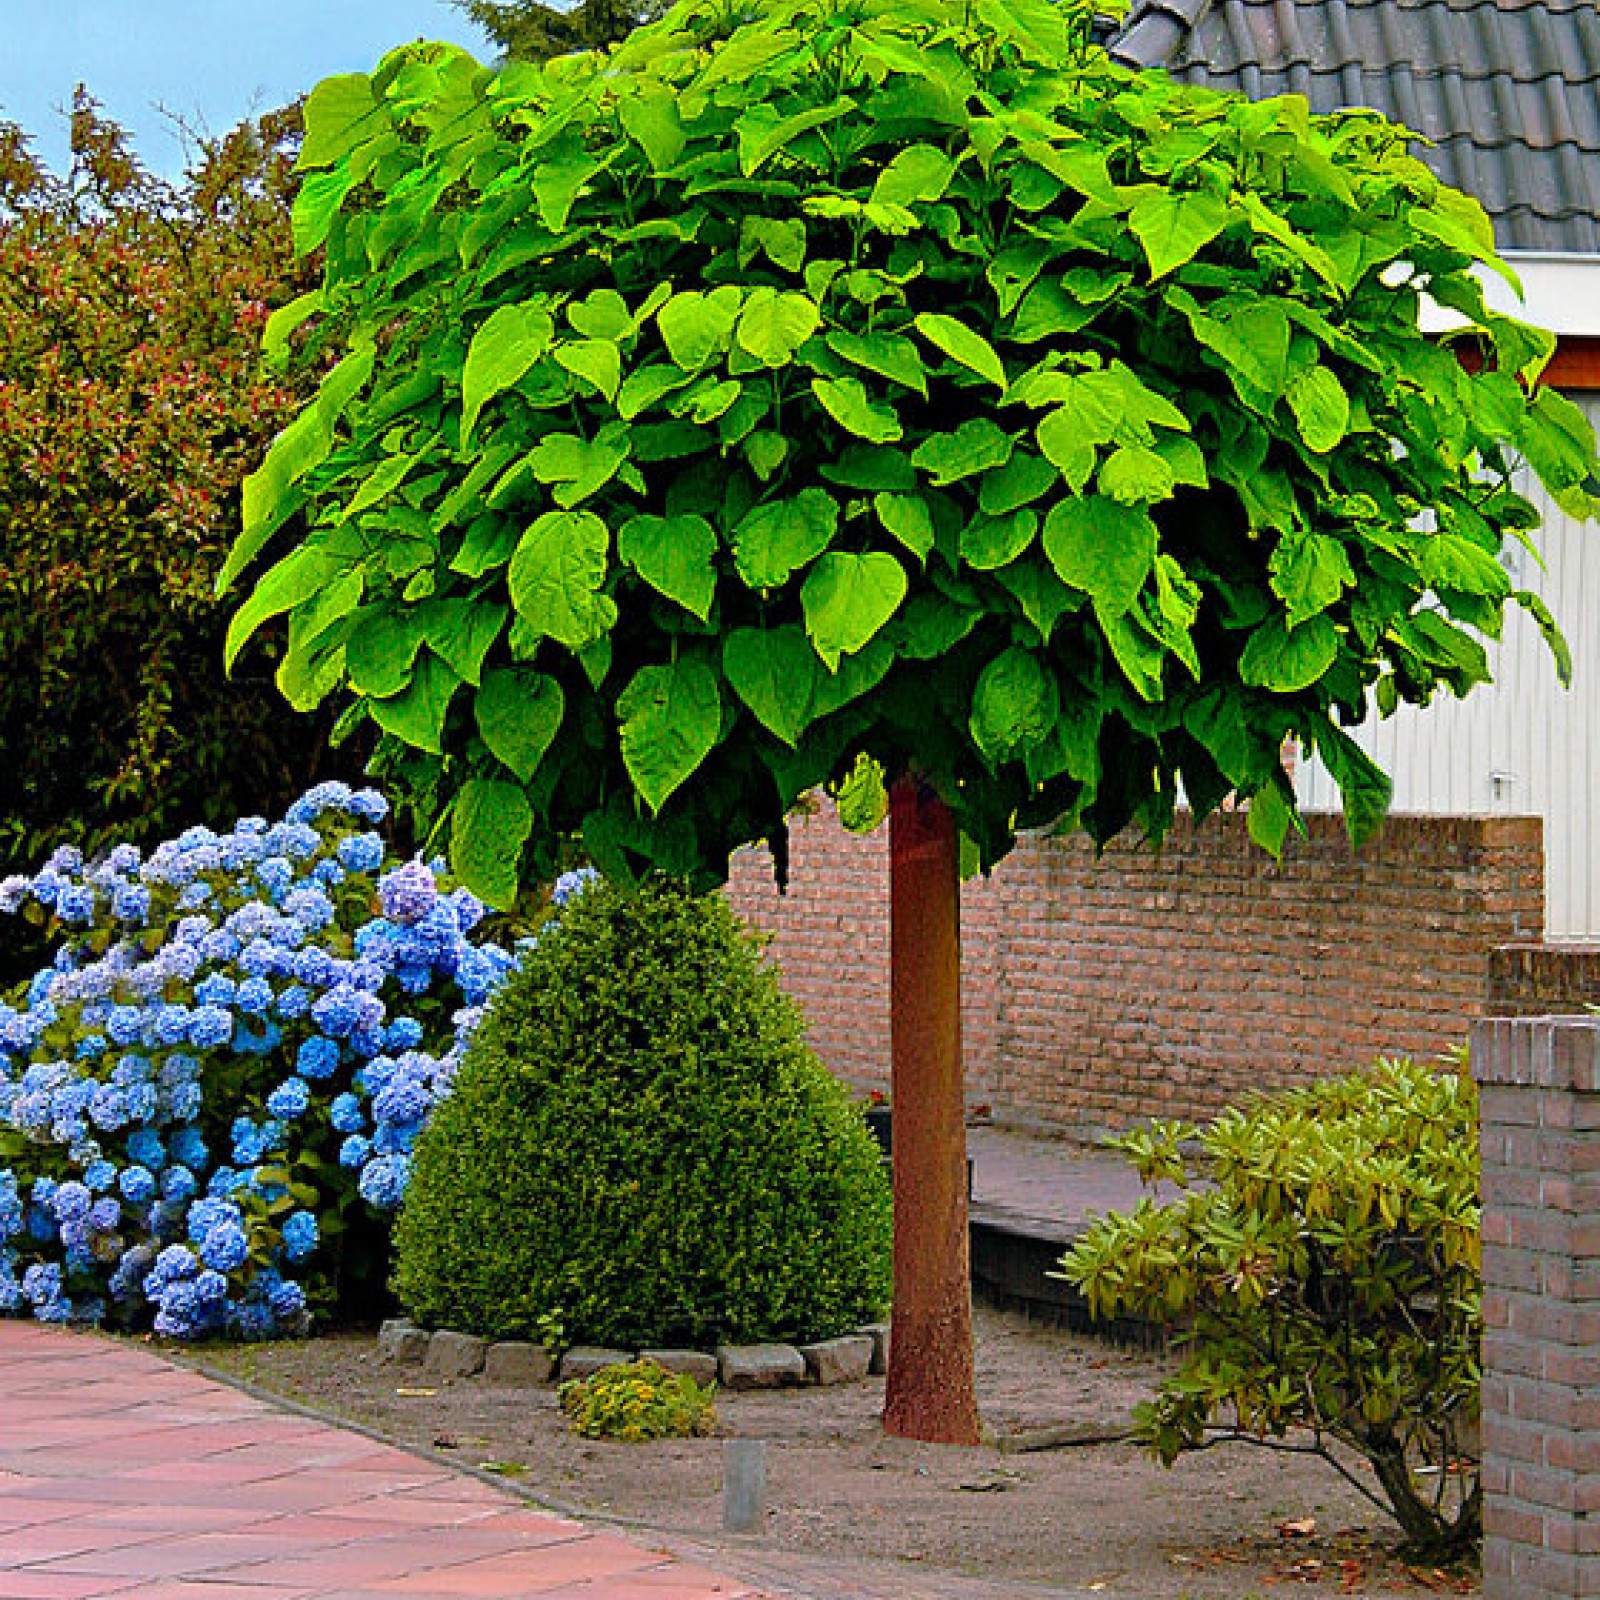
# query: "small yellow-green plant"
{"type": "Point", "coordinates": [637, 1401]}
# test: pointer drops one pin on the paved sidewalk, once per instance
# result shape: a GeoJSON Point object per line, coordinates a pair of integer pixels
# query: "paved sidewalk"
{"type": "Point", "coordinates": [123, 1476]}
{"type": "Point", "coordinates": [1045, 1188]}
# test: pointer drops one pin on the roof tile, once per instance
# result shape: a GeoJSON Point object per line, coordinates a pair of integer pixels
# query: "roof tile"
{"type": "Point", "coordinates": [1508, 90]}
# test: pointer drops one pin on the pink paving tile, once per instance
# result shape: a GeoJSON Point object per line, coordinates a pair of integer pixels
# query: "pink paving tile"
{"type": "Point", "coordinates": [172, 1519]}
{"type": "Point", "coordinates": [418, 1551]}
{"type": "Point", "coordinates": [16, 1512]}
{"type": "Point", "coordinates": [593, 1558]}
{"type": "Point", "coordinates": [51, 1541]}
{"type": "Point", "coordinates": [59, 1586]}
{"type": "Point", "coordinates": [196, 1556]}
{"type": "Point", "coordinates": [427, 1512]}
{"type": "Point", "coordinates": [168, 1589]}
{"type": "Point", "coordinates": [335, 1526]}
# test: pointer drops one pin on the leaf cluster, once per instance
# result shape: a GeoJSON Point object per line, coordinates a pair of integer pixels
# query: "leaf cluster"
{"type": "Point", "coordinates": [890, 378]}
{"type": "Point", "coordinates": [1322, 1268]}
{"type": "Point", "coordinates": [131, 407]}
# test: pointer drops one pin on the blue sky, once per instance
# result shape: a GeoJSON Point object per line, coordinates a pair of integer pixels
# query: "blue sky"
{"type": "Point", "coordinates": [212, 61]}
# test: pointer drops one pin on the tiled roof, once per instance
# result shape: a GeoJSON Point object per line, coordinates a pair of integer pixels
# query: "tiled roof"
{"type": "Point", "coordinates": [1508, 90]}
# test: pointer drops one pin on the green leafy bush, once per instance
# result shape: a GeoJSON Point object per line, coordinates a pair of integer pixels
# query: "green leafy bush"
{"type": "Point", "coordinates": [132, 400]}
{"type": "Point", "coordinates": [641, 1139]}
{"type": "Point", "coordinates": [1323, 1269]}
{"type": "Point", "coordinates": [638, 1401]}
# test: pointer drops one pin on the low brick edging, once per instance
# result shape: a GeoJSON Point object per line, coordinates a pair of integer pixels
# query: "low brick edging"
{"type": "Point", "coordinates": [1099, 992]}
{"type": "Point", "coordinates": [1539, 1098]}
{"type": "Point", "coordinates": [450, 1356]}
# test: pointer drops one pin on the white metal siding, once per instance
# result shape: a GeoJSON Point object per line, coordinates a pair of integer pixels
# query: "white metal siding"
{"type": "Point", "coordinates": [1521, 744]}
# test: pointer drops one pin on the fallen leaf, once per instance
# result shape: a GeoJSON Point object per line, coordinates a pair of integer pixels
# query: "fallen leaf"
{"type": "Point", "coordinates": [1297, 1528]}
{"type": "Point", "coordinates": [416, 1394]}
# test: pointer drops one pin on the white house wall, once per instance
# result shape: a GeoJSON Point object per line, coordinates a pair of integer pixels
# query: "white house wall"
{"type": "Point", "coordinates": [1522, 744]}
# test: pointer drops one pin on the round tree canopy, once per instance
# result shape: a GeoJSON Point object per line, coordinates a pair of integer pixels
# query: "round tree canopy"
{"type": "Point", "coordinates": [885, 378]}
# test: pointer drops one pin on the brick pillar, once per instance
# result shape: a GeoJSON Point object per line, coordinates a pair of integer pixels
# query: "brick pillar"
{"type": "Point", "coordinates": [1539, 1082]}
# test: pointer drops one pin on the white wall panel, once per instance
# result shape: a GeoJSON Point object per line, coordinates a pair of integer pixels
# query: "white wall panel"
{"type": "Point", "coordinates": [1522, 744]}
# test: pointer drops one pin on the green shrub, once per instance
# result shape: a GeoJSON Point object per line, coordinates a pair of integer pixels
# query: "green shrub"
{"type": "Point", "coordinates": [132, 402]}
{"type": "Point", "coordinates": [1325, 1282]}
{"type": "Point", "coordinates": [638, 1401]}
{"type": "Point", "coordinates": [641, 1141]}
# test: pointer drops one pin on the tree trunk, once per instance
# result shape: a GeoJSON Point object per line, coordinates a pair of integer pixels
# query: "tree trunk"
{"type": "Point", "coordinates": [930, 1390]}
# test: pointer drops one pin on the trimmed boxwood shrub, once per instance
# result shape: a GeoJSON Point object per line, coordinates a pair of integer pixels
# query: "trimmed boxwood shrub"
{"type": "Point", "coordinates": [640, 1141]}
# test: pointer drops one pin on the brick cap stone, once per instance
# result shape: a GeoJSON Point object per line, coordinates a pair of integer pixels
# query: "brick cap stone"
{"type": "Point", "coordinates": [844, 1360]}
{"type": "Point", "coordinates": [760, 1366]}
{"type": "Point", "coordinates": [696, 1364]}
{"type": "Point", "coordinates": [455, 1355]}
{"type": "Point", "coordinates": [584, 1360]}
{"type": "Point", "coordinates": [516, 1361]}
{"type": "Point", "coordinates": [1561, 1053]}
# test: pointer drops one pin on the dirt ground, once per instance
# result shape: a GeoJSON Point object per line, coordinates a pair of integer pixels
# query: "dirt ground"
{"type": "Point", "coordinates": [1104, 1518]}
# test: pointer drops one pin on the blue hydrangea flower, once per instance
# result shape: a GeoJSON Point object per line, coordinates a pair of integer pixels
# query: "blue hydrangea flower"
{"type": "Point", "coordinates": [138, 1185]}
{"type": "Point", "coordinates": [290, 1098]}
{"type": "Point", "coordinates": [254, 996]}
{"type": "Point", "coordinates": [299, 1235]}
{"type": "Point", "coordinates": [408, 893]}
{"type": "Point", "coordinates": [356, 1151]}
{"type": "Point", "coordinates": [210, 1027]}
{"type": "Point", "coordinates": [146, 1148]}
{"type": "Point", "coordinates": [189, 1148]}
{"type": "Point", "coordinates": [318, 1058]}
{"type": "Point", "coordinates": [383, 1181]}
{"type": "Point", "coordinates": [346, 1114]}
{"type": "Point", "coordinates": [225, 1248]}
{"type": "Point", "coordinates": [177, 1183]}
{"type": "Point", "coordinates": [361, 852]}
{"type": "Point", "coordinates": [131, 903]}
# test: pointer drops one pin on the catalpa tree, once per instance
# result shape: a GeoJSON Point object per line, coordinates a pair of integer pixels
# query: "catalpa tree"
{"type": "Point", "coordinates": [883, 381]}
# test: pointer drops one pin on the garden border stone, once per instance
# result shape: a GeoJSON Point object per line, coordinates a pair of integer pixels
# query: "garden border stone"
{"type": "Point", "coordinates": [584, 1360]}
{"type": "Point", "coordinates": [448, 1355]}
{"type": "Point", "coordinates": [760, 1366]}
{"type": "Point", "coordinates": [455, 1355]}
{"type": "Point", "coordinates": [847, 1359]}
{"type": "Point", "coordinates": [696, 1364]}
{"type": "Point", "coordinates": [403, 1342]}
{"type": "Point", "coordinates": [517, 1361]}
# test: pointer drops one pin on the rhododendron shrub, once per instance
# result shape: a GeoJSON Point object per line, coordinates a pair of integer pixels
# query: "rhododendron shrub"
{"type": "Point", "coordinates": [215, 1088]}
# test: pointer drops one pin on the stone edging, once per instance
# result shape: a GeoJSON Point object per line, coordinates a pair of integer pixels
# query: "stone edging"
{"type": "Point", "coordinates": [450, 1356]}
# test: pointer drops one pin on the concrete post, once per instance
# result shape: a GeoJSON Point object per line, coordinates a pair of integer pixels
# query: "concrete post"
{"type": "Point", "coordinates": [1539, 1085]}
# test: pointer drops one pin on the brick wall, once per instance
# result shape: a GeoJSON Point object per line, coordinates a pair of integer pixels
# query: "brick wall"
{"type": "Point", "coordinates": [1539, 1109]}
{"type": "Point", "coordinates": [1098, 993]}
{"type": "Point", "coordinates": [1539, 980]}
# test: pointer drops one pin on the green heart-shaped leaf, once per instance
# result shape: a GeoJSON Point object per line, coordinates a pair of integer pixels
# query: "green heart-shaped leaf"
{"type": "Point", "coordinates": [670, 718]}
{"type": "Point", "coordinates": [848, 598]}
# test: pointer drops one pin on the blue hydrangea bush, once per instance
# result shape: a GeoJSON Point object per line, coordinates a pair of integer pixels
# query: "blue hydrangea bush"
{"type": "Point", "coordinates": [218, 1083]}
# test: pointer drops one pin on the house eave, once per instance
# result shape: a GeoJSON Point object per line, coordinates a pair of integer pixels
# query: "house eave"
{"type": "Point", "coordinates": [1560, 292]}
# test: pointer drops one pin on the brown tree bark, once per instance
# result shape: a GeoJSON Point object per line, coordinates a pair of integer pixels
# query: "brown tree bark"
{"type": "Point", "coordinates": [930, 1390]}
